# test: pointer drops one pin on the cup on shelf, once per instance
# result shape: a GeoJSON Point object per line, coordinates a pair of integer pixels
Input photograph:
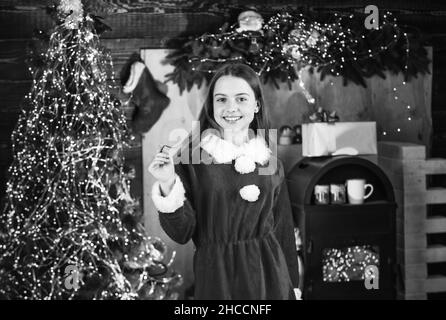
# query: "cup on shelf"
{"type": "Point", "coordinates": [286, 135]}
{"type": "Point", "coordinates": [322, 194]}
{"type": "Point", "coordinates": [337, 193]}
{"type": "Point", "coordinates": [356, 190]}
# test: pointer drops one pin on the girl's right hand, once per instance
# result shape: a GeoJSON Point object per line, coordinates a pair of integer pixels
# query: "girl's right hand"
{"type": "Point", "coordinates": [162, 167]}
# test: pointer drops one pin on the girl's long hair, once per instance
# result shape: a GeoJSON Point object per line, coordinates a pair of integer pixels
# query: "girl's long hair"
{"type": "Point", "coordinates": [239, 70]}
{"type": "Point", "coordinates": [259, 125]}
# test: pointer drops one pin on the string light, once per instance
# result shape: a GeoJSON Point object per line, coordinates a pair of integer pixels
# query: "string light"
{"type": "Point", "coordinates": [68, 197]}
{"type": "Point", "coordinates": [287, 44]}
{"type": "Point", "coordinates": [396, 96]}
{"type": "Point", "coordinates": [348, 264]}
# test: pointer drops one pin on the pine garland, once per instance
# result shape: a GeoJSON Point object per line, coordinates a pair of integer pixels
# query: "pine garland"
{"type": "Point", "coordinates": [333, 44]}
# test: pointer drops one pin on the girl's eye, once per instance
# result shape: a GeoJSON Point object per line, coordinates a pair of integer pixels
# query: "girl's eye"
{"type": "Point", "coordinates": [221, 99]}
{"type": "Point", "coordinates": [242, 99]}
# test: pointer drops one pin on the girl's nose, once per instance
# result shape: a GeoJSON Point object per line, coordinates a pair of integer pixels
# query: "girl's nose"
{"type": "Point", "coordinates": [232, 106]}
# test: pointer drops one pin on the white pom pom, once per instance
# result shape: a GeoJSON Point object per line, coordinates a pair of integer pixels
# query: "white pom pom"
{"type": "Point", "coordinates": [244, 164]}
{"type": "Point", "coordinates": [250, 192]}
{"type": "Point", "coordinates": [258, 150]}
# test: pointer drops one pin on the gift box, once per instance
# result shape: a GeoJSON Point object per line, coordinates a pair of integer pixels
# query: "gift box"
{"type": "Point", "coordinates": [339, 138]}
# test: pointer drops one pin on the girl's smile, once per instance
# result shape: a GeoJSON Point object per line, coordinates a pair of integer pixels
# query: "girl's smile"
{"type": "Point", "coordinates": [232, 119]}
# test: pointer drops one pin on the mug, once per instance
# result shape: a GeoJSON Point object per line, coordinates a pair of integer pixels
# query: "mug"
{"type": "Point", "coordinates": [356, 189]}
{"type": "Point", "coordinates": [337, 193]}
{"type": "Point", "coordinates": [322, 194]}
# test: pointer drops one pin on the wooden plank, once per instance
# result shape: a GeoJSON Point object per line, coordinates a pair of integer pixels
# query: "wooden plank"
{"type": "Point", "coordinates": [436, 253]}
{"type": "Point", "coordinates": [412, 240]}
{"type": "Point", "coordinates": [14, 71]}
{"type": "Point", "coordinates": [435, 195]}
{"type": "Point", "coordinates": [5, 153]}
{"type": "Point", "coordinates": [392, 166]}
{"type": "Point", "coordinates": [162, 26]}
{"type": "Point", "coordinates": [413, 256]}
{"type": "Point", "coordinates": [415, 286]}
{"type": "Point", "coordinates": [436, 224]}
{"type": "Point", "coordinates": [130, 44]}
{"type": "Point", "coordinates": [414, 199]}
{"type": "Point", "coordinates": [412, 296]}
{"type": "Point", "coordinates": [8, 121]}
{"type": "Point", "coordinates": [414, 224]}
{"type": "Point", "coordinates": [3, 180]}
{"type": "Point", "coordinates": [135, 4]}
{"type": "Point", "coordinates": [401, 150]}
{"type": "Point", "coordinates": [13, 92]}
{"type": "Point", "coordinates": [29, 3]}
{"type": "Point", "coordinates": [11, 48]}
{"type": "Point", "coordinates": [406, 9]}
{"type": "Point", "coordinates": [126, 25]}
{"type": "Point", "coordinates": [436, 284]}
{"type": "Point", "coordinates": [435, 166]}
{"type": "Point", "coordinates": [27, 20]}
{"type": "Point", "coordinates": [415, 271]}
{"type": "Point", "coordinates": [13, 54]}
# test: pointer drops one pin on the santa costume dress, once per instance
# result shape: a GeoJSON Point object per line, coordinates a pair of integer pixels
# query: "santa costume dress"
{"type": "Point", "coordinates": [235, 207]}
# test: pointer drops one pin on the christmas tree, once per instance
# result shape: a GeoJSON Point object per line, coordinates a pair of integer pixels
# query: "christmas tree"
{"type": "Point", "coordinates": [70, 228]}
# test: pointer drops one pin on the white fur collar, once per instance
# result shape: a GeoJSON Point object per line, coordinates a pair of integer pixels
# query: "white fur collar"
{"type": "Point", "coordinates": [224, 151]}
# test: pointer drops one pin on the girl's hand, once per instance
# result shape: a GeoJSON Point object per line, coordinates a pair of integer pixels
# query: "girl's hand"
{"type": "Point", "coordinates": [162, 169]}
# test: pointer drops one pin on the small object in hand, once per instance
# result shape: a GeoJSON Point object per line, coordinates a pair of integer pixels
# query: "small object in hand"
{"type": "Point", "coordinates": [162, 150]}
{"type": "Point", "coordinates": [165, 146]}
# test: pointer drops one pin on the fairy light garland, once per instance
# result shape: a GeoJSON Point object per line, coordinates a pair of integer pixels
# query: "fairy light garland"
{"type": "Point", "coordinates": [68, 197]}
{"type": "Point", "coordinates": [304, 32]}
{"type": "Point", "coordinates": [348, 264]}
{"type": "Point", "coordinates": [288, 43]}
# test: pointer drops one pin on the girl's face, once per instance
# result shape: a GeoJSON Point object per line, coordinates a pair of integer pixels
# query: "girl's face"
{"type": "Point", "coordinates": [234, 103]}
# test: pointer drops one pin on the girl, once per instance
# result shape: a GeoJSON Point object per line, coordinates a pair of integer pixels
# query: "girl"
{"type": "Point", "coordinates": [235, 208]}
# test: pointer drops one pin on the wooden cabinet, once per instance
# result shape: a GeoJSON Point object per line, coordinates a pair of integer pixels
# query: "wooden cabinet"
{"type": "Point", "coordinates": [341, 240]}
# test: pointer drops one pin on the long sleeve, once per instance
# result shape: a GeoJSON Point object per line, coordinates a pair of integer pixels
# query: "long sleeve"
{"type": "Point", "coordinates": [284, 228]}
{"type": "Point", "coordinates": [176, 211]}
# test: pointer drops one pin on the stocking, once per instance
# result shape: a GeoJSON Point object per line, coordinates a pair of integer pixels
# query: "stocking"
{"type": "Point", "coordinates": [147, 97]}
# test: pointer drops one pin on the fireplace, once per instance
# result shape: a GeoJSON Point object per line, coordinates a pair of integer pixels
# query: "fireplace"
{"type": "Point", "coordinates": [348, 250]}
